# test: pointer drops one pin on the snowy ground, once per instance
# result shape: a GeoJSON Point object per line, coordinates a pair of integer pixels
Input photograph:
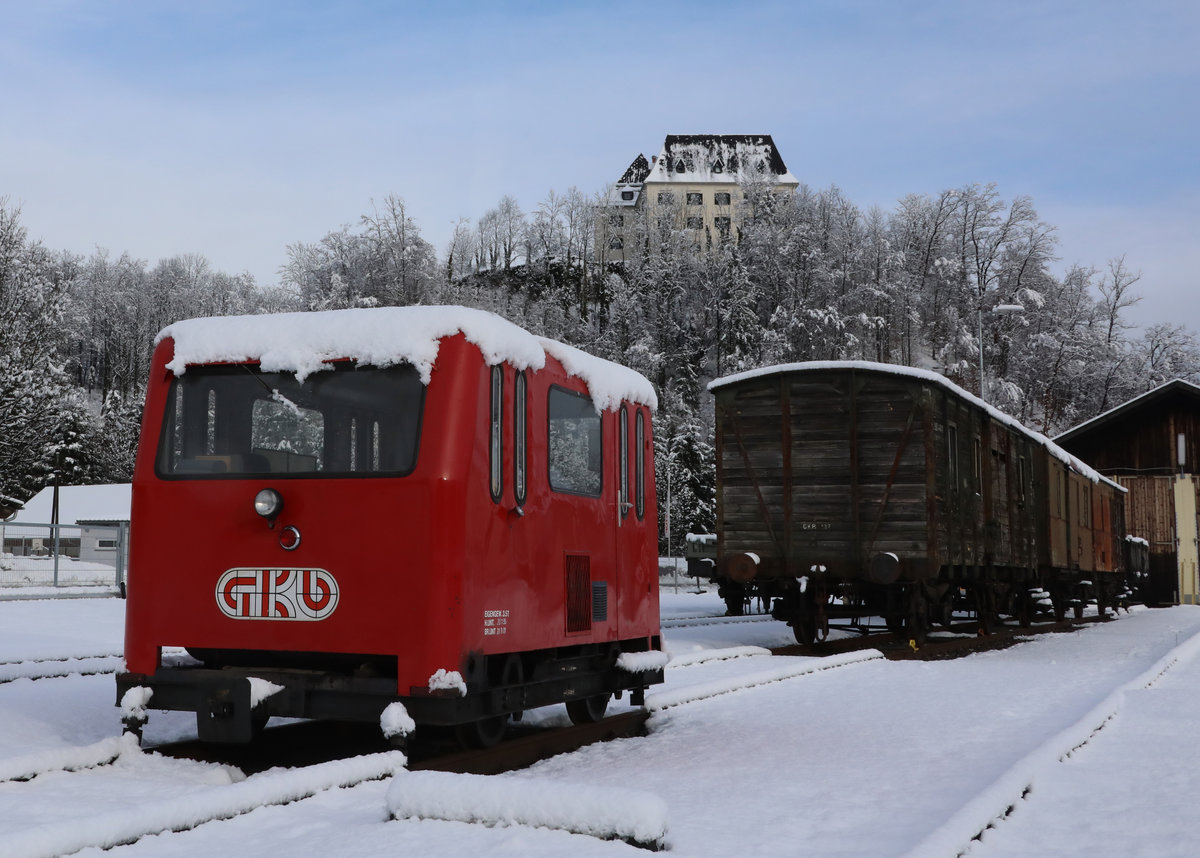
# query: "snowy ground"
{"type": "Point", "coordinates": [26, 571]}
{"type": "Point", "coordinates": [1084, 736]}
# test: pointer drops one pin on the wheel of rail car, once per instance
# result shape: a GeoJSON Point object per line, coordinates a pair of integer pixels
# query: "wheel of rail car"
{"type": "Point", "coordinates": [804, 629]}
{"type": "Point", "coordinates": [482, 734]}
{"type": "Point", "coordinates": [589, 710]}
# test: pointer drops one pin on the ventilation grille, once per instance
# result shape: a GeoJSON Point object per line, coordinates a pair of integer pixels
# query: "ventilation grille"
{"type": "Point", "coordinates": [599, 601]}
{"type": "Point", "coordinates": [579, 593]}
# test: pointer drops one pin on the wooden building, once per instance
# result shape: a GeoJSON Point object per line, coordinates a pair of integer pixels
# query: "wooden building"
{"type": "Point", "coordinates": [1151, 445]}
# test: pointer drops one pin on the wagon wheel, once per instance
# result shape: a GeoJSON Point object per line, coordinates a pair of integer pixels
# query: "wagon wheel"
{"type": "Point", "coordinates": [589, 710]}
{"type": "Point", "coordinates": [482, 734]}
{"type": "Point", "coordinates": [804, 621]}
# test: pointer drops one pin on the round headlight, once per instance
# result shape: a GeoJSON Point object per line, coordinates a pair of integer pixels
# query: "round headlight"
{"type": "Point", "coordinates": [268, 503]}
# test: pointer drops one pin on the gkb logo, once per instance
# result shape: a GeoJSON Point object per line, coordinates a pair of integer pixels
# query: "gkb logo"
{"type": "Point", "coordinates": [277, 594]}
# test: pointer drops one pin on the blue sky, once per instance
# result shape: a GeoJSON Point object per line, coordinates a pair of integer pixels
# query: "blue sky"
{"type": "Point", "coordinates": [233, 129]}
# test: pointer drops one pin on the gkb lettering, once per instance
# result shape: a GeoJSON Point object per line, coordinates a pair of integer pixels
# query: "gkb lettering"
{"type": "Point", "coordinates": [277, 594]}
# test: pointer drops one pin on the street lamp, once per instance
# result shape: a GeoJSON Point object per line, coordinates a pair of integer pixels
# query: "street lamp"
{"type": "Point", "coordinates": [998, 310]}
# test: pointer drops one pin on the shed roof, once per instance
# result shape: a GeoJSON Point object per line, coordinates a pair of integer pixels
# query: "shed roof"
{"type": "Point", "coordinates": [1176, 386]}
{"type": "Point", "coordinates": [109, 502]}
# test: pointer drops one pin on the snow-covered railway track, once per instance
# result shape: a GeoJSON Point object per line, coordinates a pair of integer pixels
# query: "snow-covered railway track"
{"type": "Point", "coordinates": [55, 668]}
{"type": "Point", "coordinates": [714, 620]}
{"type": "Point", "coordinates": [196, 807]}
{"type": "Point", "coordinates": [790, 669]}
{"type": "Point", "coordinates": [962, 832]}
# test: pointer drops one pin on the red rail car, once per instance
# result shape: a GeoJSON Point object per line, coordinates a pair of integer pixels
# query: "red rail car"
{"type": "Point", "coordinates": [426, 506]}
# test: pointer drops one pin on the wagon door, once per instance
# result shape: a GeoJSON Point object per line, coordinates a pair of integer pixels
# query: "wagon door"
{"type": "Point", "coordinates": [636, 529]}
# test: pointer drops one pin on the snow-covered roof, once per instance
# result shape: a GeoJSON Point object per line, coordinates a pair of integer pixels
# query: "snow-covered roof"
{"type": "Point", "coordinates": [303, 343]}
{"type": "Point", "coordinates": [733, 158]}
{"type": "Point", "coordinates": [1176, 384]}
{"type": "Point", "coordinates": [78, 503]}
{"type": "Point", "coordinates": [996, 414]}
{"type": "Point", "coordinates": [636, 172]}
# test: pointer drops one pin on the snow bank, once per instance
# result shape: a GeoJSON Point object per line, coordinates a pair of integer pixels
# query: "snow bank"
{"type": "Point", "coordinates": [384, 336]}
{"type": "Point", "coordinates": [726, 654]}
{"type": "Point", "coordinates": [188, 811]}
{"type": "Point", "coordinates": [50, 668]}
{"type": "Point", "coordinates": [997, 800]}
{"type": "Point", "coordinates": [996, 414]}
{"type": "Point", "coordinates": [701, 691]}
{"type": "Point", "coordinates": [608, 813]}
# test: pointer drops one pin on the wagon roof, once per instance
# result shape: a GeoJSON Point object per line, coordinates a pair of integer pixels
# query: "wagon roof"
{"type": "Point", "coordinates": [304, 343]}
{"type": "Point", "coordinates": [934, 378]}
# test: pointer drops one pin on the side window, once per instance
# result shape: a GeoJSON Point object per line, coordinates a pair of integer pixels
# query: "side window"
{"type": "Point", "coordinates": [520, 445]}
{"type": "Point", "coordinates": [575, 441]}
{"type": "Point", "coordinates": [495, 444]}
{"type": "Point", "coordinates": [623, 459]}
{"type": "Point", "coordinates": [639, 435]}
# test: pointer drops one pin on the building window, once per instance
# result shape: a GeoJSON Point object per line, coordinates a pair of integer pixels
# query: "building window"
{"type": "Point", "coordinates": [666, 198]}
{"type": "Point", "coordinates": [695, 222]}
{"type": "Point", "coordinates": [627, 195]}
{"type": "Point", "coordinates": [680, 167]}
{"type": "Point", "coordinates": [616, 243]}
{"type": "Point", "coordinates": [616, 220]}
{"type": "Point", "coordinates": [721, 198]}
{"type": "Point", "coordinates": [722, 224]}
{"type": "Point", "coordinates": [718, 167]}
{"type": "Point", "coordinates": [575, 455]}
{"type": "Point", "coordinates": [106, 544]}
{"type": "Point", "coordinates": [695, 198]}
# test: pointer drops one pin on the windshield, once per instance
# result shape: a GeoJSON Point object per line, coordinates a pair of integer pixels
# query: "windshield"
{"type": "Point", "coordinates": [237, 421]}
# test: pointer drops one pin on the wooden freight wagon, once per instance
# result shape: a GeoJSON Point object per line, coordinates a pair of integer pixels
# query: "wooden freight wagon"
{"type": "Point", "coordinates": [849, 489]}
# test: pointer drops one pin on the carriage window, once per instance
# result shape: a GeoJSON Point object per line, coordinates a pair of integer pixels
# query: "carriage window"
{"type": "Point", "coordinates": [575, 437]}
{"type": "Point", "coordinates": [519, 438]}
{"type": "Point", "coordinates": [233, 421]}
{"type": "Point", "coordinates": [495, 447]}
{"type": "Point", "coordinates": [640, 463]}
{"type": "Point", "coordinates": [623, 460]}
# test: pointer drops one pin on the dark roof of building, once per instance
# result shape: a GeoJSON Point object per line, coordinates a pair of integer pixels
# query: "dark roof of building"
{"type": "Point", "coordinates": [637, 172]}
{"type": "Point", "coordinates": [1171, 388]}
{"type": "Point", "coordinates": [717, 144]}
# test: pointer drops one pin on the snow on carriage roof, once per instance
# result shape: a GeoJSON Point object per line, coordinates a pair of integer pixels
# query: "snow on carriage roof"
{"type": "Point", "coordinates": [996, 414]}
{"type": "Point", "coordinates": [303, 343]}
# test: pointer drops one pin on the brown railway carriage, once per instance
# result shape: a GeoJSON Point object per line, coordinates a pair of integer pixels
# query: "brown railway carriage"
{"type": "Point", "coordinates": [852, 489]}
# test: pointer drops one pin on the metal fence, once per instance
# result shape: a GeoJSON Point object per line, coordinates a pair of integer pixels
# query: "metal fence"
{"type": "Point", "coordinates": [63, 555]}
